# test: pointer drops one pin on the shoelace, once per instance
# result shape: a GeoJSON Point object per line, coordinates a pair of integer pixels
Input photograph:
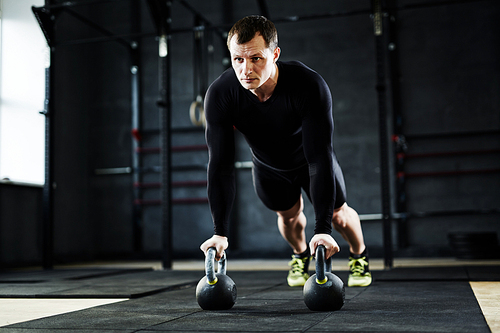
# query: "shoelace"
{"type": "Point", "coordinates": [297, 265]}
{"type": "Point", "coordinates": [357, 266]}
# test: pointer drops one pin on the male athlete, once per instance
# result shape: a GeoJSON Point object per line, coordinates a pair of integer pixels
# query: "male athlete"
{"type": "Point", "coordinates": [284, 111]}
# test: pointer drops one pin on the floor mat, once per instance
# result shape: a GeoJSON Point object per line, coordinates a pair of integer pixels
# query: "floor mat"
{"type": "Point", "coordinates": [92, 284]}
{"type": "Point", "coordinates": [266, 304]}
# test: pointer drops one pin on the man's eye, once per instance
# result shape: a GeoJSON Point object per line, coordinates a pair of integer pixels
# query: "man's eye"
{"type": "Point", "coordinates": [256, 58]}
{"type": "Point", "coordinates": [238, 59]}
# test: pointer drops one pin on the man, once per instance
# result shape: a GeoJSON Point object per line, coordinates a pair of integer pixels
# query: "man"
{"type": "Point", "coordinates": [284, 111]}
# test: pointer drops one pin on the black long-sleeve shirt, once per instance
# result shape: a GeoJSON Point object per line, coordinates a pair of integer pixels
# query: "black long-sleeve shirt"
{"type": "Point", "coordinates": [292, 128]}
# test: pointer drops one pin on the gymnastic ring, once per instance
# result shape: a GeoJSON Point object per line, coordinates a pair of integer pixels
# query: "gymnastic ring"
{"type": "Point", "coordinates": [197, 105]}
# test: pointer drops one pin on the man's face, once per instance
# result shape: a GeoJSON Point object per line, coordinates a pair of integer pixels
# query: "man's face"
{"type": "Point", "coordinates": [253, 62]}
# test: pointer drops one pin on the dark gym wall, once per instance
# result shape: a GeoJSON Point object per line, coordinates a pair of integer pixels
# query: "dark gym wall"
{"type": "Point", "coordinates": [92, 214]}
{"type": "Point", "coordinates": [20, 224]}
{"type": "Point", "coordinates": [449, 64]}
{"type": "Point", "coordinates": [449, 91]}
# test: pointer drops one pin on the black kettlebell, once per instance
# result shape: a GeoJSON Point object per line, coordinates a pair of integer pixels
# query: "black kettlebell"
{"type": "Point", "coordinates": [324, 291]}
{"type": "Point", "coordinates": [215, 291]}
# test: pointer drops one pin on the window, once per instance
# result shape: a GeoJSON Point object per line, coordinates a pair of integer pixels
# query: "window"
{"type": "Point", "coordinates": [22, 91]}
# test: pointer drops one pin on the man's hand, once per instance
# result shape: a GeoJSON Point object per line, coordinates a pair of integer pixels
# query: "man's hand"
{"type": "Point", "coordinates": [219, 242]}
{"type": "Point", "coordinates": [331, 246]}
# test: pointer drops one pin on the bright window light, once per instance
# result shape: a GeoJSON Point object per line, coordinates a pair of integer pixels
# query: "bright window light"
{"type": "Point", "coordinates": [22, 92]}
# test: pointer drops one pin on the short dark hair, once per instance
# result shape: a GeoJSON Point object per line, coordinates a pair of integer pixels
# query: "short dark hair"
{"type": "Point", "coordinates": [246, 28]}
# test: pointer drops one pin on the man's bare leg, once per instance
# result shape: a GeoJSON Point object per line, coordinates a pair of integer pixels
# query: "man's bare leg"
{"type": "Point", "coordinates": [292, 225]}
{"type": "Point", "coordinates": [346, 221]}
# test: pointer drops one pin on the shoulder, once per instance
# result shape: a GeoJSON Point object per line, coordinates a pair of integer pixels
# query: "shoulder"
{"type": "Point", "coordinates": [293, 65]}
{"type": "Point", "coordinates": [221, 95]}
{"type": "Point", "coordinates": [298, 68]}
{"type": "Point", "coordinates": [224, 88]}
{"type": "Point", "coordinates": [310, 81]}
{"type": "Point", "coordinates": [224, 83]}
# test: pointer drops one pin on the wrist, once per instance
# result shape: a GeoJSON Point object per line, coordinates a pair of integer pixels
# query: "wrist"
{"type": "Point", "coordinates": [219, 237]}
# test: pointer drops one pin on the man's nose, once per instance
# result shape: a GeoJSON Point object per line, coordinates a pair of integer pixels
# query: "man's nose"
{"type": "Point", "coordinates": [248, 69]}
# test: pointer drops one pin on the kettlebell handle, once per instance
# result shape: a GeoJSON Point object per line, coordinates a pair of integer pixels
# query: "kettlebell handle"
{"type": "Point", "coordinates": [210, 265]}
{"type": "Point", "coordinates": [322, 265]}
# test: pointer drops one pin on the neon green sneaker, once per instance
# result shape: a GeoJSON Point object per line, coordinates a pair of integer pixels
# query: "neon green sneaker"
{"type": "Point", "coordinates": [360, 275]}
{"type": "Point", "coordinates": [298, 274]}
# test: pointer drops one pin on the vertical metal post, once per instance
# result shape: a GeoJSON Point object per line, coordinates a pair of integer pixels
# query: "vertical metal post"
{"type": "Point", "coordinates": [46, 20]}
{"type": "Point", "coordinates": [197, 57]}
{"type": "Point", "coordinates": [383, 132]}
{"type": "Point", "coordinates": [228, 18]}
{"type": "Point", "coordinates": [136, 128]}
{"type": "Point", "coordinates": [398, 138]}
{"type": "Point", "coordinates": [165, 137]}
{"type": "Point", "coordinates": [48, 187]}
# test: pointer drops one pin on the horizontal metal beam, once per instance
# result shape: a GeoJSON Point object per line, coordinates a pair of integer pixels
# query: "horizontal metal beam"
{"type": "Point", "coordinates": [177, 149]}
{"type": "Point", "coordinates": [444, 213]}
{"type": "Point", "coordinates": [69, 4]}
{"type": "Point", "coordinates": [187, 167]}
{"type": "Point", "coordinates": [178, 201]}
{"type": "Point", "coordinates": [462, 134]}
{"type": "Point", "coordinates": [448, 153]}
{"type": "Point", "coordinates": [401, 175]}
{"type": "Point", "coordinates": [186, 183]}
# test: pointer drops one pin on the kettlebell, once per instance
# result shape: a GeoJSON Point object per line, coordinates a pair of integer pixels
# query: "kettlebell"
{"type": "Point", "coordinates": [324, 291]}
{"type": "Point", "coordinates": [215, 291]}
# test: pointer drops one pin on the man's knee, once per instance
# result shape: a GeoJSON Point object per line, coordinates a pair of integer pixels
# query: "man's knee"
{"type": "Point", "coordinates": [290, 216]}
{"type": "Point", "coordinates": [340, 217]}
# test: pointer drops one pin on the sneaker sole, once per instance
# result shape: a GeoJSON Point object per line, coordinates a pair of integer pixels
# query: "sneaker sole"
{"type": "Point", "coordinates": [361, 283]}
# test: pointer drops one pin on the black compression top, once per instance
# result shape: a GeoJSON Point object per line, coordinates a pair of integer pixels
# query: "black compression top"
{"type": "Point", "coordinates": [292, 128]}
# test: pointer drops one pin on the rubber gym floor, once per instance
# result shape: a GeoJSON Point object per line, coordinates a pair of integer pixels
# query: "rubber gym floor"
{"type": "Point", "coordinates": [448, 296]}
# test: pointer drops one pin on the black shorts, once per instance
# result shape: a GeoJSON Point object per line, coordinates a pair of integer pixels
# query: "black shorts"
{"type": "Point", "coordinates": [279, 190]}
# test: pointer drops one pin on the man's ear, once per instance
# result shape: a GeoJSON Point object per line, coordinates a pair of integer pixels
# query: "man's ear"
{"type": "Point", "coordinates": [276, 54]}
